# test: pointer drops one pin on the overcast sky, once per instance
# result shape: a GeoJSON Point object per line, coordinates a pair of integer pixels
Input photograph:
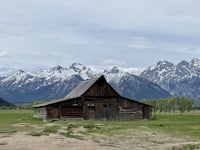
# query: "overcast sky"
{"type": "Point", "coordinates": [103, 33]}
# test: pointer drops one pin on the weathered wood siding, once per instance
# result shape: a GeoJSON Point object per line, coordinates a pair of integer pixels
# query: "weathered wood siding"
{"type": "Point", "coordinates": [101, 88]}
{"type": "Point", "coordinates": [72, 109]}
{"type": "Point", "coordinates": [99, 102]}
{"type": "Point", "coordinates": [53, 112]}
{"type": "Point", "coordinates": [131, 110]}
{"type": "Point", "coordinates": [40, 112]}
{"type": "Point", "coordinates": [100, 108]}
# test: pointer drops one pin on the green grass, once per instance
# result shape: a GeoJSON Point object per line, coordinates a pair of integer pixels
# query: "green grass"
{"type": "Point", "coordinates": [185, 125]}
{"type": "Point", "coordinates": [35, 133]}
{"type": "Point", "coordinates": [186, 147]}
{"type": "Point", "coordinates": [177, 124]}
{"type": "Point", "coordinates": [69, 131]}
{"type": "Point", "coordinates": [9, 118]}
{"type": "Point", "coordinates": [51, 129]}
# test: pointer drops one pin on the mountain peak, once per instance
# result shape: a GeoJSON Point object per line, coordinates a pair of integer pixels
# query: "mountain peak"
{"type": "Point", "coordinates": [195, 62]}
{"type": "Point", "coordinates": [58, 67]}
{"type": "Point", "coordinates": [183, 63]}
{"type": "Point", "coordinates": [164, 63]}
{"type": "Point", "coordinates": [114, 70]}
{"type": "Point", "coordinates": [77, 67]}
{"type": "Point", "coordinates": [82, 70]}
{"type": "Point", "coordinates": [160, 65]}
{"type": "Point", "coordinates": [18, 72]}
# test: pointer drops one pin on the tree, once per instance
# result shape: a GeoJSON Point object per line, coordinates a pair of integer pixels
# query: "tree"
{"type": "Point", "coordinates": [185, 103]}
{"type": "Point", "coordinates": [190, 104]}
{"type": "Point", "coordinates": [181, 103]}
{"type": "Point", "coordinates": [160, 104]}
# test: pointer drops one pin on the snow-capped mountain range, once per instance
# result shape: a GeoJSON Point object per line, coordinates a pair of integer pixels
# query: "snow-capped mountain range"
{"type": "Point", "coordinates": [57, 82]}
{"type": "Point", "coordinates": [162, 79]}
{"type": "Point", "coordinates": [181, 79]}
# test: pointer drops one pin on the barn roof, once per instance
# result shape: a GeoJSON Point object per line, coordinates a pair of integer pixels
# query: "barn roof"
{"type": "Point", "coordinates": [83, 87]}
{"type": "Point", "coordinates": [77, 92]}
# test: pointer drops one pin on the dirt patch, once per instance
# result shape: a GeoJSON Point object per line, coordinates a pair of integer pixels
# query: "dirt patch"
{"type": "Point", "coordinates": [127, 140]}
{"type": "Point", "coordinates": [142, 140]}
{"type": "Point", "coordinates": [22, 141]}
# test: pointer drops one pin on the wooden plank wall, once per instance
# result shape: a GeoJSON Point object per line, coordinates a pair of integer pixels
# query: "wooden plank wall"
{"type": "Point", "coordinates": [53, 112]}
{"type": "Point", "coordinates": [40, 112]}
{"type": "Point", "coordinates": [130, 114]}
{"type": "Point", "coordinates": [132, 110]}
{"type": "Point", "coordinates": [72, 112]}
{"type": "Point", "coordinates": [101, 108]}
{"type": "Point", "coordinates": [101, 89]}
{"type": "Point", "coordinates": [70, 109]}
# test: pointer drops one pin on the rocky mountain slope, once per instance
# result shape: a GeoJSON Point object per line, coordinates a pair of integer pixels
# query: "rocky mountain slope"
{"type": "Point", "coordinates": [57, 82]}
{"type": "Point", "coordinates": [181, 79]}
{"type": "Point", "coordinates": [4, 103]}
{"type": "Point", "coordinates": [132, 86]}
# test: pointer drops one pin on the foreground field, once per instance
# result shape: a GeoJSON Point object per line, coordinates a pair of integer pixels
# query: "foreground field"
{"type": "Point", "coordinates": [20, 131]}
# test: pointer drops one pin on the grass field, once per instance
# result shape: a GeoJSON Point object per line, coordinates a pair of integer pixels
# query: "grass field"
{"type": "Point", "coordinates": [185, 126]}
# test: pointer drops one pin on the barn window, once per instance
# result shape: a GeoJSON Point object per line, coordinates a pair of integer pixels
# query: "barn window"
{"type": "Point", "coordinates": [107, 105]}
{"type": "Point", "coordinates": [75, 102]}
{"type": "Point", "coordinates": [40, 111]}
{"type": "Point", "coordinates": [91, 105]}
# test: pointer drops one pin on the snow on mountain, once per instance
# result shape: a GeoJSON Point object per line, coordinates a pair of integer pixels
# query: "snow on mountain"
{"type": "Point", "coordinates": [159, 71]}
{"type": "Point", "coordinates": [5, 71]}
{"type": "Point", "coordinates": [139, 88]}
{"type": "Point", "coordinates": [114, 75]}
{"type": "Point", "coordinates": [54, 74]}
{"type": "Point", "coordinates": [60, 73]}
{"type": "Point", "coordinates": [132, 86]}
{"type": "Point", "coordinates": [18, 78]}
{"type": "Point", "coordinates": [195, 62]}
{"type": "Point", "coordinates": [47, 84]}
{"type": "Point", "coordinates": [83, 71]}
{"type": "Point", "coordinates": [58, 81]}
{"type": "Point", "coordinates": [181, 79]}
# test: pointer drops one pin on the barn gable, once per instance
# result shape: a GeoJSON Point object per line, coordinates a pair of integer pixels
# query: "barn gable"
{"type": "Point", "coordinates": [94, 99]}
{"type": "Point", "coordinates": [101, 89]}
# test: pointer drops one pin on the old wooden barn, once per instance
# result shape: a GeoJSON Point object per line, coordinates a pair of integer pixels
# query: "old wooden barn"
{"type": "Point", "coordinates": [93, 99]}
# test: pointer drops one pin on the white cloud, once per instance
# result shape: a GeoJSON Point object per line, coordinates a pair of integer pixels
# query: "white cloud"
{"type": "Point", "coordinates": [140, 43]}
{"type": "Point", "coordinates": [113, 62]}
{"type": "Point", "coordinates": [135, 71]}
{"type": "Point", "coordinates": [101, 68]}
{"type": "Point", "coordinates": [4, 54]}
{"type": "Point", "coordinates": [95, 31]}
{"type": "Point", "coordinates": [122, 65]}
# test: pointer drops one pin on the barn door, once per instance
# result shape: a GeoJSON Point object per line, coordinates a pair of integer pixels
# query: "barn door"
{"type": "Point", "coordinates": [145, 113]}
{"type": "Point", "coordinates": [91, 112]}
{"type": "Point", "coordinates": [53, 112]}
{"type": "Point", "coordinates": [110, 111]}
